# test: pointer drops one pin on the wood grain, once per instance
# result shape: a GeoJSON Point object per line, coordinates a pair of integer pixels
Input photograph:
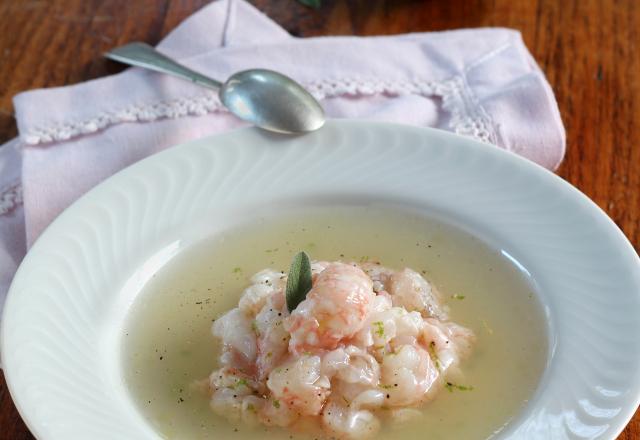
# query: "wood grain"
{"type": "Point", "coordinates": [588, 49]}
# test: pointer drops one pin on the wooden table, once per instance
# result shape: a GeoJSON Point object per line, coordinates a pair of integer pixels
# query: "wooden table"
{"type": "Point", "coordinates": [589, 49]}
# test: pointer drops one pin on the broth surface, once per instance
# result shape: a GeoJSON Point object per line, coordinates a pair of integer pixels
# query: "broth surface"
{"type": "Point", "coordinates": [167, 342]}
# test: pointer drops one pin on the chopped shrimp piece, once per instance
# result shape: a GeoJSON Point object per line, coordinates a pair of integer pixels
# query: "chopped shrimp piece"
{"type": "Point", "coordinates": [300, 385]}
{"type": "Point", "coordinates": [277, 413]}
{"type": "Point", "coordinates": [273, 339]}
{"type": "Point", "coordinates": [225, 402]}
{"type": "Point", "coordinates": [254, 298]}
{"type": "Point", "coordinates": [251, 407]}
{"type": "Point", "coordinates": [232, 395]}
{"type": "Point", "coordinates": [357, 395]}
{"type": "Point", "coordinates": [392, 327]}
{"type": "Point", "coordinates": [462, 337]}
{"type": "Point", "coordinates": [448, 343]}
{"type": "Point", "coordinates": [335, 308]}
{"type": "Point", "coordinates": [364, 337]}
{"type": "Point", "coordinates": [349, 423]}
{"type": "Point", "coordinates": [410, 290]}
{"type": "Point", "coordinates": [265, 283]}
{"type": "Point", "coordinates": [380, 276]}
{"type": "Point", "coordinates": [351, 365]}
{"type": "Point", "coordinates": [408, 327]}
{"type": "Point", "coordinates": [334, 361]}
{"type": "Point", "coordinates": [408, 376]}
{"type": "Point", "coordinates": [318, 266]}
{"type": "Point", "coordinates": [232, 378]}
{"type": "Point", "coordinates": [368, 399]}
{"type": "Point", "coordinates": [240, 348]}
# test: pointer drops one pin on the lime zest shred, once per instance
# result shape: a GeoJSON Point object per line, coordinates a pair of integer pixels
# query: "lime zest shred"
{"type": "Point", "coordinates": [380, 328]}
{"type": "Point", "coordinates": [452, 386]}
{"type": "Point", "coordinates": [241, 382]}
{"type": "Point", "coordinates": [434, 355]}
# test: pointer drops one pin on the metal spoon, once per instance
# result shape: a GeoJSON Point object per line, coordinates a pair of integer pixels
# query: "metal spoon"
{"type": "Point", "coordinates": [263, 97]}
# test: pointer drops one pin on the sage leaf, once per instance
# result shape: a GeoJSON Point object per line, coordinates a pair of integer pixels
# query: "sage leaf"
{"type": "Point", "coordinates": [299, 280]}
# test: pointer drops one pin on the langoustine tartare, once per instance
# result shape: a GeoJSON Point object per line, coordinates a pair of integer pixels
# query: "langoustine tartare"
{"type": "Point", "coordinates": [367, 343]}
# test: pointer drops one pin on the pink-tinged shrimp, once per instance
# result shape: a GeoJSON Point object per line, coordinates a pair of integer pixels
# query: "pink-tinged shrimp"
{"type": "Point", "coordinates": [273, 339]}
{"type": "Point", "coordinates": [410, 290]}
{"type": "Point", "coordinates": [449, 343]}
{"type": "Point", "coordinates": [335, 309]}
{"type": "Point", "coordinates": [349, 423]}
{"type": "Point", "coordinates": [240, 347]}
{"type": "Point", "coordinates": [235, 379]}
{"type": "Point", "coordinates": [264, 284]}
{"type": "Point", "coordinates": [351, 365]}
{"type": "Point", "coordinates": [232, 395]}
{"type": "Point", "coordinates": [276, 413]}
{"type": "Point", "coordinates": [408, 376]}
{"type": "Point", "coordinates": [317, 267]}
{"type": "Point", "coordinates": [380, 276]}
{"type": "Point", "coordinates": [300, 385]}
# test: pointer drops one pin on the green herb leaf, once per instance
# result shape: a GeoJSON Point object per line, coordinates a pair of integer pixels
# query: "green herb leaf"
{"type": "Point", "coordinates": [299, 281]}
{"type": "Point", "coordinates": [311, 3]}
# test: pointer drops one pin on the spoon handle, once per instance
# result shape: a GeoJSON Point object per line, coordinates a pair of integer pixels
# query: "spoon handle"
{"type": "Point", "coordinates": [143, 55]}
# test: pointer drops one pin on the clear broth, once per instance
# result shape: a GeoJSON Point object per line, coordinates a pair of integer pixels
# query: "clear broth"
{"type": "Point", "coordinates": [167, 343]}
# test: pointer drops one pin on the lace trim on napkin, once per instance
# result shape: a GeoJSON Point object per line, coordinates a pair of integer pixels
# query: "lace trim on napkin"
{"type": "Point", "coordinates": [10, 198]}
{"type": "Point", "coordinates": [467, 116]}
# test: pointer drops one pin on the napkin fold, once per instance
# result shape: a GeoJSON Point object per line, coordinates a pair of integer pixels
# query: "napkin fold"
{"type": "Point", "coordinates": [481, 83]}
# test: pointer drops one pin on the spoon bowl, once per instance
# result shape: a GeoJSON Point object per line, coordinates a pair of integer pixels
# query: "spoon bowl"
{"type": "Point", "coordinates": [267, 99]}
{"type": "Point", "coordinates": [272, 101]}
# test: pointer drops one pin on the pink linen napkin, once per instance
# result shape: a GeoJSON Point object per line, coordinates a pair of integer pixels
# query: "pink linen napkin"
{"type": "Point", "coordinates": [481, 83]}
